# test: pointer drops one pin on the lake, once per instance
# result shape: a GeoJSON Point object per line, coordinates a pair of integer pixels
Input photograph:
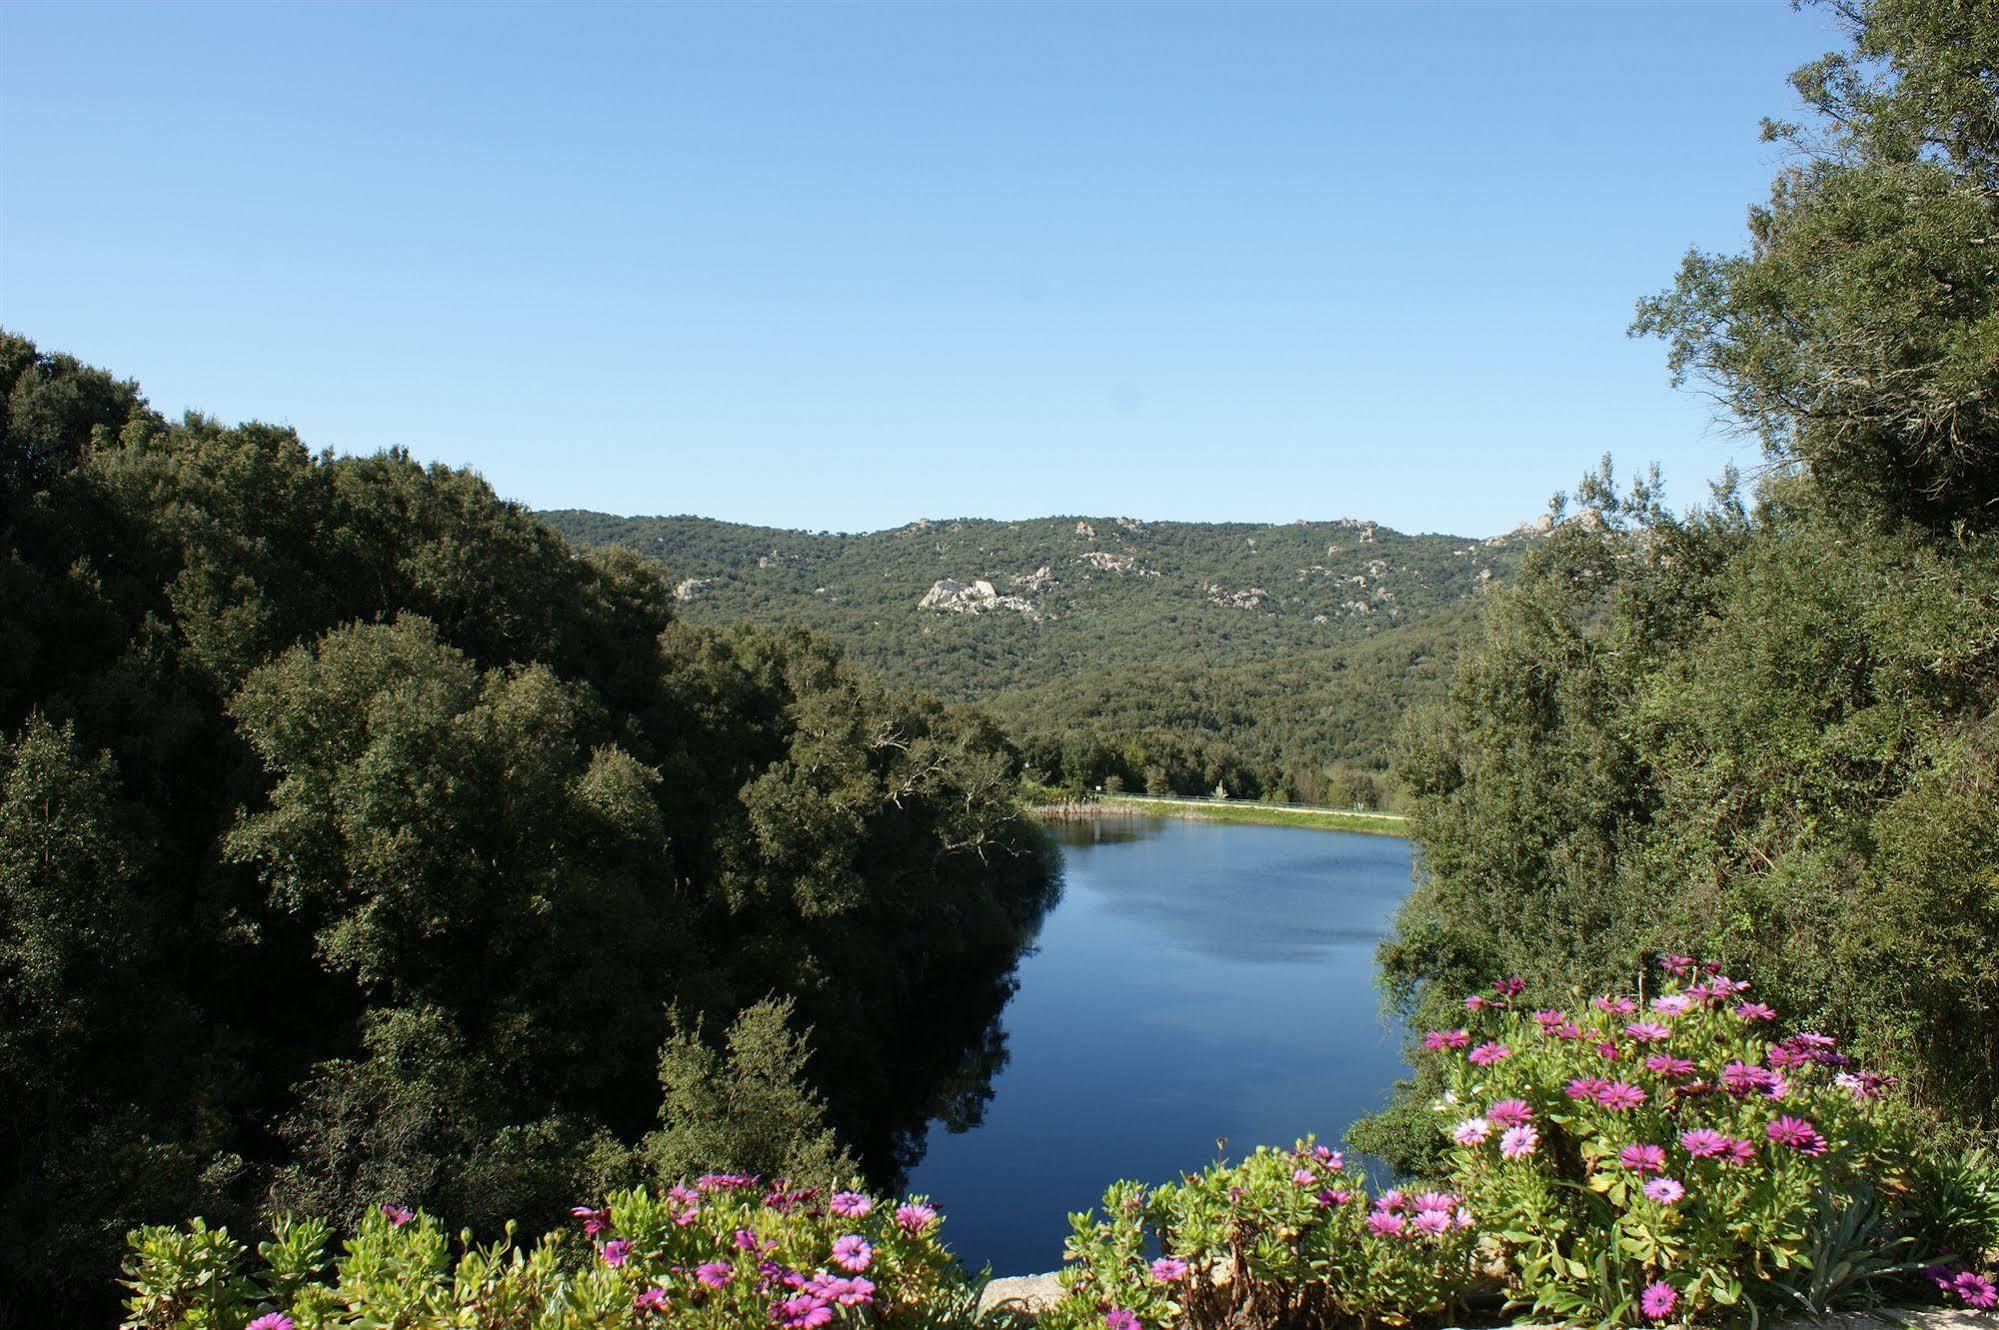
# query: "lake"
{"type": "Point", "coordinates": [1195, 980]}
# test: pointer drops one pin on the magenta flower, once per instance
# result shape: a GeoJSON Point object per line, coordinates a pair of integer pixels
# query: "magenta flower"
{"type": "Point", "coordinates": [616, 1251]}
{"type": "Point", "coordinates": [594, 1221]}
{"type": "Point", "coordinates": [1797, 1133]}
{"type": "Point", "coordinates": [1169, 1269]}
{"type": "Point", "coordinates": [1438, 1040]}
{"type": "Point", "coordinates": [1622, 1006]}
{"type": "Point", "coordinates": [1648, 1032]}
{"type": "Point", "coordinates": [1519, 1142]}
{"type": "Point", "coordinates": [1677, 966]}
{"type": "Point", "coordinates": [1755, 1011]}
{"type": "Point", "coordinates": [280, 1321]}
{"type": "Point", "coordinates": [723, 1181]}
{"type": "Point", "coordinates": [1658, 1300]}
{"type": "Point", "coordinates": [1391, 1200]}
{"type": "Point", "coordinates": [1335, 1196]}
{"type": "Point", "coordinates": [801, 1313]}
{"type": "Point", "coordinates": [1703, 1142]}
{"type": "Point", "coordinates": [914, 1218]}
{"type": "Point", "coordinates": [1976, 1290]}
{"type": "Point", "coordinates": [1509, 1113]}
{"type": "Point", "coordinates": [1620, 1096]}
{"type": "Point", "coordinates": [1117, 1318]}
{"type": "Point", "coordinates": [715, 1274]}
{"type": "Point", "coordinates": [858, 1293]}
{"type": "Point", "coordinates": [1488, 1053]}
{"type": "Point", "coordinates": [1549, 1019]}
{"type": "Point", "coordinates": [852, 1253]}
{"type": "Point", "coordinates": [399, 1214]}
{"type": "Point", "coordinates": [1665, 1064]}
{"type": "Point", "coordinates": [652, 1300]}
{"type": "Point", "coordinates": [1643, 1158]}
{"type": "Point", "coordinates": [1476, 1003]}
{"type": "Point", "coordinates": [1665, 1191]}
{"type": "Point", "coordinates": [1739, 1151]}
{"type": "Point", "coordinates": [1672, 1004]}
{"type": "Point", "coordinates": [1435, 1223]}
{"type": "Point", "coordinates": [1586, 1087]}
{"type": "Point", "coordinates": [1384, 1223]}
{"type": "Point", "coordinates": [850, 1205]}
{"type": "Point", "coordinates": [1472, 1131]}
{"type": "Point", "coordinates": [1512, 986]}
{"type": "Point", "coordinates": [1304, 1177]}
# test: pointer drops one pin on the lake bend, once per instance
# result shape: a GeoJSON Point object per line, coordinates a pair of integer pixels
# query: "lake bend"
{"type": "Point", "coordinates": [1196, 980]}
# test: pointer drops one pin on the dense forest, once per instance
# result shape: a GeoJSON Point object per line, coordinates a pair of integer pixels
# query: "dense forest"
{"type": "Point", "coordinates": [1271, 661]}
{"type": "Point", "coordinates": [1766, 730]}
{"type": "Point", "coordinates": [360, 841]}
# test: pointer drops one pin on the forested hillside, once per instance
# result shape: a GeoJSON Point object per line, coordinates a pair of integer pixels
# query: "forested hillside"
{"type": "Point", "coordinates": [1271, 660]}
{"type": "Point", "coordinates": [362, 842]}
{"type": "Point", "coordinates": [1768, 731]}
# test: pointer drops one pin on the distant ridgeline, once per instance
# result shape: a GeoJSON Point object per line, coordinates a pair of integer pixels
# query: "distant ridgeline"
{"type": "Point", "coordinates": [1172, 656]}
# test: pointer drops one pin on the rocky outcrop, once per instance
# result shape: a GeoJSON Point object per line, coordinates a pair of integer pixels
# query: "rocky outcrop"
{"type": "Point", "coordinates": [694, 588]}
{"type": "Point", "coordinates": [1114, 563]}
{"type": "Point", "coordinates": [951, 596]}
{"type": "Point", "coordinates": [1250, 598]}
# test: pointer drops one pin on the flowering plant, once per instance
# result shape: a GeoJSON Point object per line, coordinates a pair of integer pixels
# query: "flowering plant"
{"type": "Point", "coordinates": [1285, 1237]}
{"type": "Point", "coordinates": [1666, 1159]}
{"type": "Point", "coordinates": [722, 1251]}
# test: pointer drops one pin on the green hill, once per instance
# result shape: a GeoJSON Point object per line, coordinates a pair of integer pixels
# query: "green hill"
{"type": "Point", "coordinates": [1272, 659]}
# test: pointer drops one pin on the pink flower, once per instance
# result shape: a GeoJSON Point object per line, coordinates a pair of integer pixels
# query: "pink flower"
{"type": "Point", "coordinates": [1665, 1064]}
{"type": "Point", "coordinates": [1384, 1223]}
{"type": "Point", "coordinates": [1512, 987]}
{"type": "Point", "coordinates": [1548, 1020]}
{"type": "Point", "coordinates": [1797, 1133]}
{"type": "Point", "coordinates": [852, 1253]}
{"type": "Point", "coordinates": [1620, 1096]}
{"type": "Point", "coordinates": [801, 1313]}
{"type": "Point", "coordinates": [398, 1214]}
{"type": "Point", "coordinates": [1703, 1142]}
{"type": "Point", "coordinates": [652, 1300]}
{"type": "Point", "coordinates": [1337, 1196]}
{"type": "Point", "coordinates": [1664, 1190]}
{"type": "Point", "coordinates": [1677, 966]}
{"type": "Point", "coordinates": [1648, 1032]}
{"type": "Point", "coordinates": [1117, 1318]}
{"type": "Point", "coordinates": [715, 1274]}
{"type": "Point", "coordinates": [850, 1205]}
{"type": "Point", "coordinates": [1437, 1040]}
{"type": "Point", "coordinates": [914, 1218]}
{"type": "Point", "coordinates": [1509, 1113]}
{"type": "Point", "coordinates": [1392, 1200]}
{"type": "Point", "coordinates": [1586, 1087]}
{"type": "Point", "coordinates": [1472, 1131]}
{"type": "Point", "coordinates": [1658, 1300]}
{"type": "Point", "coordinates": [1672, 1004]}
{"type": "Point", "coordinates": [1169, 1269]}
{"type": "Point", "coordinates": [1476, 1003]}
{"type": "Point", "coordinates": [1615, 1006]}
{"type": "Point", "coordinates": [1433, 1222]}
{"type": "Point", "coordinates": [1755, 1011]}
{"type": "Point", "coordinates": [1519, 1142]}
{"type": "Point", "coordinates": [1738, 1151]}
{"type": "Point", "coordinates": [1304, 1177]}
{"type": "Point", "coordinates": [616, 1251]}
{"type": "Point", "coordinates": [274, 1321]}
{"type": "Point", "coordinates": [1488, 1053]}
{"type": "Point", "coordinates": [723, 1181]}
{"type": "Point", "coordinates": [1643, 1158]}
{"type": "Point", "coordinates": [1976, 1290]}
{"type": "Point", "coordinates": [1742, 1078]}
{"type": "Point", "coordinates": [594, 1221]}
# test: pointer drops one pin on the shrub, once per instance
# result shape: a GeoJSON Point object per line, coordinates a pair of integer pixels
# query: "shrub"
{"type": "Point", "coordinates": [1283, 1238]}
{"type": "Point", "coordinates": [722, 1252]}
{"type": "Point", "coordinates": [1675, 1159]}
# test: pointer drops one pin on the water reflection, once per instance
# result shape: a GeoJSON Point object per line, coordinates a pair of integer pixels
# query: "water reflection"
{"type": "Point", "coordinates": [1196, 980]}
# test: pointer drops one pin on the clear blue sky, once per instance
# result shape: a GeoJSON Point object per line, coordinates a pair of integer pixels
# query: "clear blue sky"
{"type": "Point", "coordinates": [843, 266]}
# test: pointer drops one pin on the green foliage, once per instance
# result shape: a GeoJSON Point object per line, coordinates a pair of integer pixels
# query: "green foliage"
{"type": "Point", "coordinates": [357, 837]}
{"type": "Point", "coordinates": [1121, 654]}
{"type": "Point", "coordinates": [720, 1254]}
{"type": "Point", "coordinates": [1281, 1239]}
{"type": "Point", "coordinates": [1766, 730]}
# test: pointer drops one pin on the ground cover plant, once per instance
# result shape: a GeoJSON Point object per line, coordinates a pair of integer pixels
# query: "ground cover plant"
{"type": "Point", "coordinates": [1661, 1157]}
{"type": "Point", "coordinates": [724, 1250]}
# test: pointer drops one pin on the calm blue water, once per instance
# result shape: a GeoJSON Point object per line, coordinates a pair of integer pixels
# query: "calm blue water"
{"type": "Point", "coordinates": [1196, 980]}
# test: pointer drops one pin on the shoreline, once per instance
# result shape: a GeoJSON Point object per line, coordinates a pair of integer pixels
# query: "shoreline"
{"type": "Point", "coordinates": [1205, 810]}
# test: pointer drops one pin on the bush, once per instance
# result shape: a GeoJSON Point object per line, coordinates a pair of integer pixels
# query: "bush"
{"type": "Point", "coordinates": [1284, 1238]}
{"type": "Point", "coordinates": [1673, 1160]}
{"type": "Point", "coordinates": [723, 1252]}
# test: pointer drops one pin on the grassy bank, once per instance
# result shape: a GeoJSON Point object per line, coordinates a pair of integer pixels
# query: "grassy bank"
{"type": "Point", "coordinates": [1045, 804]}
